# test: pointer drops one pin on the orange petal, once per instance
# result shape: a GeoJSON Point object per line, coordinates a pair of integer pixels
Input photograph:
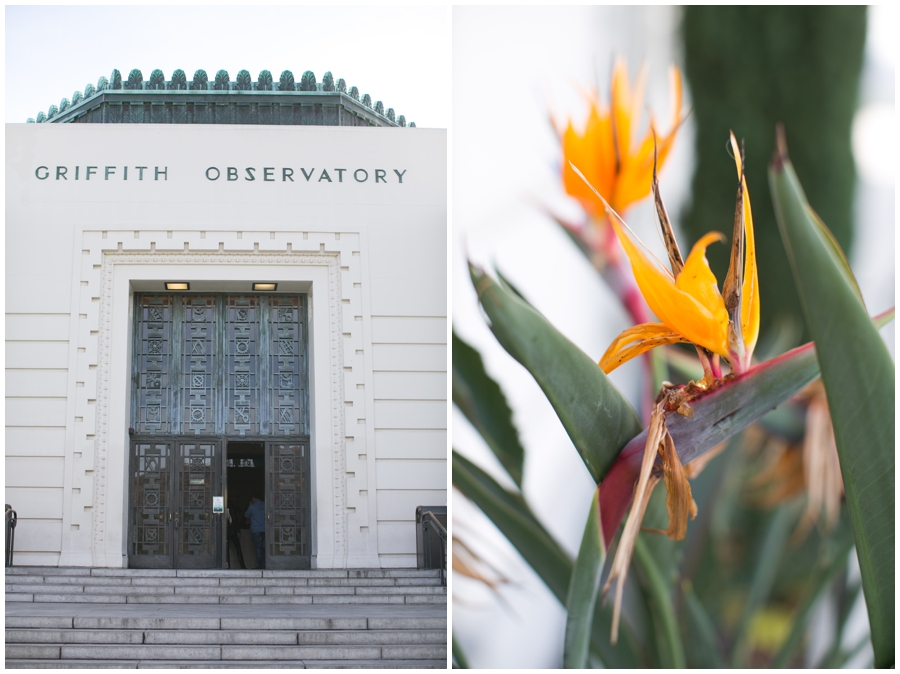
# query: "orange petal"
{"type": "Point", "coordinates": [636, 176]}
{"type": "Point", "coordinates": [592, 152]}
{"type": "Point", "coordinates": [637, 105]}
{"type": "Point", "coordinates": [750, 289]}
{"type": "Point", "coordinates": [636, 172]}
{"type": "Point", "coordinates": [698, 281]}
{"type": "Point", "coordinates": [636, 340]}
{"type": "Point", "coordinates": [675, 78]}
{"type": "Point", "coordinates": [620, 103]}
{"type": "Point", "coordinates": [701, 320]}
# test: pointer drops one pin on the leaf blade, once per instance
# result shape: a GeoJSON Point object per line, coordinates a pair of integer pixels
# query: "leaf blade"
{"type": "Point", "coordinates": [512, 516]}
{"type": "Point", "coordinates": [459, 658]}
{"type": "Point", "coordinates": [598, 419]}
{"type": "Point", "coordinates": [820, 581]}
{"type": "Point", "coordinates": [583, 590]}
{"type": "Point", "coordinates": [768, 557]}
{"type": "Point", "coordinates": [482, 402]}
{"type": "Point", "coordinates": [858, 374]}
{"type": "Point", "coordinates": [659, 596]}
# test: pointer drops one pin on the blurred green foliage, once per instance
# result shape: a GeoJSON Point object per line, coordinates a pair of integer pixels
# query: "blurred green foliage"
{"type": "Point", "coordinates": [749, 68]}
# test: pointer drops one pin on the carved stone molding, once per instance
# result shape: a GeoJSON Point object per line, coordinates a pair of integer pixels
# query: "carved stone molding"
{"type": "Point", "coordinates": [111, 258]}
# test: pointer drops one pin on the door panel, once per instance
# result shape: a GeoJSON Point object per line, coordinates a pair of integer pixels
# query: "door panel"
{"type": "Point", "coordinates": [197, 530]}
{"type": "Point", "coordinates": [287, 505]}
{"type": "Point", "coordinates": [220, 365]}
{"type": "Point", "coordinates": [172, 524]}
{"type": "Point", "coordinates": [150, 533]}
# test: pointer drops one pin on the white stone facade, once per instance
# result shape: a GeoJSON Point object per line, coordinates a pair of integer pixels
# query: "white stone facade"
{"type": "Point", "coordinates": [371, 254]}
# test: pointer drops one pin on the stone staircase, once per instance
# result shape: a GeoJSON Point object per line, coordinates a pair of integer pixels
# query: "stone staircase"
{"type": "Point", "coordinates": [142, 618]}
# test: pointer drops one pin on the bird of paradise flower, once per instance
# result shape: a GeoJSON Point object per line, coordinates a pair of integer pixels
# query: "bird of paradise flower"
{"type": "Point", "coordinates": [691, 309]}
{"type": "Point", "coordinates": [607, 157]}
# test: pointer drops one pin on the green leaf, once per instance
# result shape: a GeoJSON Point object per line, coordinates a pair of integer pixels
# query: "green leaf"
{"type": "Point", "coordinates": [514, 518]}
{"type": "Point", "coordinates": [821, 580]}
{"type": "Point", "coordinates": [583, 590]}
{"type": "Point", "coordinates": [511, 515]}
{"type": "Point", "coordinates": [703, 638]}
{"type": "Point", "coordinates": [597, 417]}
{"type": "Point", "coordinates": [834, 250]}
{"type": "Point", "coordinates": [858, 374]}
{"type": "Point", "coordinates": [459, 658]}
{"type": "Point", "coordinates": [841, 657]}
{"type": "Point", "coordinates": [768, 557]}
{"type": "Point", "coordinates": [511, 287]}
{"type": "Point", "coordinates": [846, 601]}
{"type": "Point", "coordinates": [482, 402]}
{"type": "Point", "coordinates": [662, 611]}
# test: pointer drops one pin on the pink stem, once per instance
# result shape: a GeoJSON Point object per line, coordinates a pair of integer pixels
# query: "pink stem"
{"type": "Point", "coordinates": [716, 366]}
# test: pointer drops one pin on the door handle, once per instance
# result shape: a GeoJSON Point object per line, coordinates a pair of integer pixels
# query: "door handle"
{"type": "Point", "coordinates": [268, 518]}
{"type": "Point", "coordinates": [176, 520]}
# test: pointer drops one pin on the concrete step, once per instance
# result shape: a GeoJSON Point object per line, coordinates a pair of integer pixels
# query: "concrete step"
{"type": "Point", "coordinates": [217, 573]}
{"type": "Point", "coordinates": [220, 664]}
{"type": "Point", "coordinates": [111, 631]}
{"type": "Point", "coordinates": [165, 588]}
{"type": "Point", "coordinates": [235, 624]}
{"type": "Point", "coordinates": [227, 599]}
{"type": "Point", "coordinates": [217, 586]}
{"type": "Point", "coordinates": [88, 652]}
{"type": "Point", "coordinates": [225, 637]}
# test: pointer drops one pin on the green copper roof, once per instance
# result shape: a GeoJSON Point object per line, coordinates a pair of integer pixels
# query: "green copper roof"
{"type": "Point", "coordinates": [222, 101]}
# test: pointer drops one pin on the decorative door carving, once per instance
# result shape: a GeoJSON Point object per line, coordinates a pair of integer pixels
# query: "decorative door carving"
{"type": "Point", "coordinates": [287, 505]}
{"type": "Point", "coordinates": [152, 514]}
{"type": "Point", "coordinates": [172, 520]}
{"type": "Point", "coordinates": [229, 367]}
{"type": "Point", "coordinates": [220, 365]}
{"type": "Point", "coordinates": [198, 531]}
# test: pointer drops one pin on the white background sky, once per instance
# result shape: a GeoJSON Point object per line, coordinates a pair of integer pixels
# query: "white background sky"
{"type": "Point", "coordinates": [398, 55]}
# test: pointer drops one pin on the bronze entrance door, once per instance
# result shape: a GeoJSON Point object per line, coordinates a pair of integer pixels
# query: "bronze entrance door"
{"type": "Point", "coordinates": [173, 523]}
{"type": "Point", "coordinates": [208, 369]}
{"type": "Point", "coordinates": [287, 505]}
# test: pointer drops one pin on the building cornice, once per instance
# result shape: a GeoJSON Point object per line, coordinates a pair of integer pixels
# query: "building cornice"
{"type": "Point", "coordinates": [293, 102]}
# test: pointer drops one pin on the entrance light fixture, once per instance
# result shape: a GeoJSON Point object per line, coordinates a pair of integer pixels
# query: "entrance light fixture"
{"type": "Point", "coordinates": [178, 285]}
{"type": "Point", "coordinates": [259, 287]}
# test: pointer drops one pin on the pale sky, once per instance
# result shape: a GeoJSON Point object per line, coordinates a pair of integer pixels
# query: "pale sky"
{"type": "Point", "coordinates": [398, 55]}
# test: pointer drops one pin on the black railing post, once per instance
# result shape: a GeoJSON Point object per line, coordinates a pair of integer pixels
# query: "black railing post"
{"type": "Point", "coordinates": [11, 519]}
{"type": "Point", "coordinates": [430, 523]}
{"type": "Point", "coordinates": [427, 522]}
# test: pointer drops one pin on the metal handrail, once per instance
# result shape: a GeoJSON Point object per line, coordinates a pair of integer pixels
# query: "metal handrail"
{"type": "Point", "coordinates": [11, 519]}
{"type": "Point", "coordinates": [442, 533]}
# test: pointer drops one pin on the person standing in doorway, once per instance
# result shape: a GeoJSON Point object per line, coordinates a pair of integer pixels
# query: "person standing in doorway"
{"type": "Point", "coordinates": [257, 514]}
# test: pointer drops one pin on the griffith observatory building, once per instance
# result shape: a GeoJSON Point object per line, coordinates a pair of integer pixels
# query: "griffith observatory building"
{"type": "Point", "coordinates": [217, 289]}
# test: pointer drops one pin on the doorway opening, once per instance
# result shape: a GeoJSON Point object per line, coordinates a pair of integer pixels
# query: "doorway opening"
{"type": "Point", "coordinates": [246, 477]}
{"type": "Point", "coordinates": [220, 412]}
